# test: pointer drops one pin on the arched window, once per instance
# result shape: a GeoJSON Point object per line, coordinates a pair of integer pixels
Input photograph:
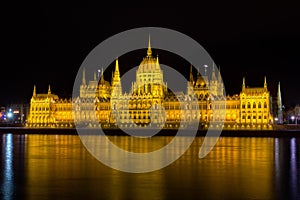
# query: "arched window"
{"type": "Point", "coordinates": [265, 105]}
{"type": "Point", "coordinates": [254, 105]}
{"type": "Point", "coordinates": [259, 105]}
{"type": "Point", "coordinates": [248, 106]}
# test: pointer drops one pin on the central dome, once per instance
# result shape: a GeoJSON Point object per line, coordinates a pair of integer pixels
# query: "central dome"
{"type": "Point", "coordinates": [149, 63]}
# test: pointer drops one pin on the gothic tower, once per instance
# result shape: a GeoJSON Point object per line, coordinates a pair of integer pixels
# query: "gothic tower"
{"type": "Point", "coordinates": [116, 82]}
{"type": "Point", "coordinates": [190, 83]}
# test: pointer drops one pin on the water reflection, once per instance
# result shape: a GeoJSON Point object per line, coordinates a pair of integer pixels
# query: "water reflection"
{"type": "Point", "coordinates": [7, 187]}
{"type": "Point", "coordinates": [59, 167]}
{"type": "Point", "coordinates": [12, 166]}
{"type": "Point", "coordinates": [287, 168]}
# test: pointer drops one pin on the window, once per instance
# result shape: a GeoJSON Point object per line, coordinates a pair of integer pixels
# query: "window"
{"type": "Point", "coordinates": [265, 105]}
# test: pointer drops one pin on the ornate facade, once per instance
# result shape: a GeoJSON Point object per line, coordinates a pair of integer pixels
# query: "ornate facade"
{"type": "Point", "coordinates": [150, 103]}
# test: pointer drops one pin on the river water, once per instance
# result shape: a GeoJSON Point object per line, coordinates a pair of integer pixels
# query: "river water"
{"type": "Point", "coordinates": [40, 166]}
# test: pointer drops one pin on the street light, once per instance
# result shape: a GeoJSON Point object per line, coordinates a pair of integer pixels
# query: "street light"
{"type": "Point", "coordinates": [292, 118]}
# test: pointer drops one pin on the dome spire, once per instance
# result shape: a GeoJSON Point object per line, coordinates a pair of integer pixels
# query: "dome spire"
{"type": "Point", "coordinates": [117, 66]}
{"type": "Point", "coordinates": [149, 51]}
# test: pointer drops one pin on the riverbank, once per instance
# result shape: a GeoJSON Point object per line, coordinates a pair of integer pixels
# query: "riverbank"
{"type": "Point", "coordinates": [147, 132]}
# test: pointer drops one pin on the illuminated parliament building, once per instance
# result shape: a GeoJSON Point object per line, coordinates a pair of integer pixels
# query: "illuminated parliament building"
{"type": "Point", "coordinates": [149, 103]}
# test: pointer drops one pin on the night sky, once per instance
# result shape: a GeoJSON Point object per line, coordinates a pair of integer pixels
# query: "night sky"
{"type": "Point", "coordinates": [45, 43]}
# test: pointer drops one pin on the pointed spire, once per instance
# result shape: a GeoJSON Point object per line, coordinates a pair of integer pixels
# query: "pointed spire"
{"type": "Point", "coordinates": [191, 75]}
{"type": "Point", "coordinates": [149, 51]}
{"type": "Point", "coordinates": [116, 73]}
{"type": "Point", "coordinates": [83, 77]}
{"type": "Point", "coordinates": [213, 74]}
{"type": "Point", "coordinates": [279, 104]}
{"type": "Point", "coordinates": [34, 91]}
{"type": "Point", "coordinates": [244, 86]}
{"type": "Point", "coordinates": [219, 74]}
{"type": "Point", "coordinates": [279, 92]}
{"type": "Point", "coordinates": [117, 66]}
{"type": "Point", "coordinates": [157, 62]}
{"type": "Point", "coordinates": [132, 87]}
{"type": "Point", "coordinates": [102, 77]}
{"type": "Point", "coordinates": [265, 82]}
{"type": "Point", "coordinates": [95, 77]}
{"type": "Point", "coordinates": [49, 90]}
{"type": "Point", "coordinates": [198, 72]}
{"type": "Point", "coordinates": [279, 97]}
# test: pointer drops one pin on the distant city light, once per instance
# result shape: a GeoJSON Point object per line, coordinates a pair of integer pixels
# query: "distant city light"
{"type": "Point", "coordinates": [9, 114]}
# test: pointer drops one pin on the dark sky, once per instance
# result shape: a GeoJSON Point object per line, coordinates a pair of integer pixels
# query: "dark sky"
{"type": "Point", "coordinates": [45, 43]}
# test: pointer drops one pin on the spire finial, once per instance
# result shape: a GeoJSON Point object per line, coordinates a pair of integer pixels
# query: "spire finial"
{"type": "Point", "coordinates": [244, 83]}
{"type": "Point", "coordinates": [149, 51]}
{"type": "Point", "coordinates": [102, 77]}
{"type": "Point", "coordinates": [213, 73]}
{"type": "Point", "coordinates": [49, 89]}
{"type": "Point", "coordinates": [265, 82]}
{"type": "Point", "coordinates": [83, 77]}
{"type": "Point", "coordinates": [34, 91]}
{"type": "Point", "coordinates": [191, 75]}
{"type": "Point", "coordinates": [219, 74]}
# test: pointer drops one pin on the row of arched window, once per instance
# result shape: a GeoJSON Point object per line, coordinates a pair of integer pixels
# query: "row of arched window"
{"type": "Point", "coordinates": [254, 105]}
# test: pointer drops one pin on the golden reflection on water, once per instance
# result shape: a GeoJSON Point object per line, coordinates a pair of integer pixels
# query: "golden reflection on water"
{"type": "Point", "coordinates": [138, 144]}
{"type": "Point", "coordinates": [59, 166]}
